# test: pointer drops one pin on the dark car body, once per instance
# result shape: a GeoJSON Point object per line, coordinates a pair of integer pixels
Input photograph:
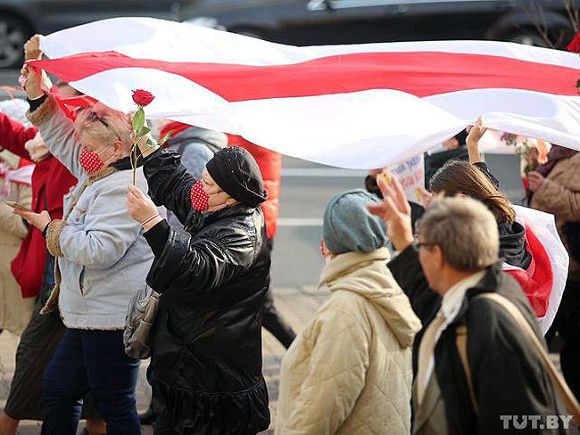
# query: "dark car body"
{"type": "Point", "coordinates": [303, 22]}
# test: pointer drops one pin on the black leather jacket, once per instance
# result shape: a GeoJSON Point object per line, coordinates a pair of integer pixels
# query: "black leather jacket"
{"type": "Point", "coordinates": [206, 346]}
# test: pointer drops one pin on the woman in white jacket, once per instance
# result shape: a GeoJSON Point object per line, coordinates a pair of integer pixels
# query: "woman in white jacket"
{"type": "Point", "coordinates": [349, 370]}
{"type": "Point", "coordinates": [102, 259]}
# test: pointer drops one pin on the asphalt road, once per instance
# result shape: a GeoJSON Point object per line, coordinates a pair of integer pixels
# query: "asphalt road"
{"type": "Point", "coordinates": [306, 188]}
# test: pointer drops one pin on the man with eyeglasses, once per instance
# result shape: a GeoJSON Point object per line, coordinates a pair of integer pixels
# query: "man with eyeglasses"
{"type": "Point", "coordinates": [445, 272]}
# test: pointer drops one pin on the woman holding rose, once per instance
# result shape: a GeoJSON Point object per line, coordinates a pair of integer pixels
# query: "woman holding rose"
{"type": "Point", "coordinates": [206, 360]}
{"type": "Point", "coordinates": [101, 261]}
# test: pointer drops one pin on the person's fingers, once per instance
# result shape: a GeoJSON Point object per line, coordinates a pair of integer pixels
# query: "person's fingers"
{"type": "Point", "coordinates": [390, 208]}
{"type": "Point", "coordinates": [27, 214]}
{"type": "Point", "coordinates": [377, 209]}
{"type": "Point", "coordinates": [400, 198]}
{"type": "Point", "coordinates": [384, 183]}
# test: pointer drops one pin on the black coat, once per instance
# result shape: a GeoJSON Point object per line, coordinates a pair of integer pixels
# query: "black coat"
{"type": "Point", "coordinates": [508, 375]}
{"type": "Point", "coordinates": [206, 363]}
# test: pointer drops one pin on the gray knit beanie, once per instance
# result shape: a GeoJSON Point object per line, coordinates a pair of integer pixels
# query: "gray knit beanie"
{"type": "Point", "coordinates": [349, 227]}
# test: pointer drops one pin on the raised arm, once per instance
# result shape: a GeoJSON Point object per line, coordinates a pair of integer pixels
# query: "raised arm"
{"type": "Point", "coordinates": [170, 184]}
{"type": "Point", "coordinates": [395, 210]}
{"type": "Point", "coordinates": [55, 128]}
{"type": "Point", "coordinates": [58, 133]}
{"type": "Point", "coordinates": [198, 264]}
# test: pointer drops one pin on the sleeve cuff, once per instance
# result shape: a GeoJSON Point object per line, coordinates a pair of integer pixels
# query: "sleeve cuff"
{"type": "Point", "coordinates": [157, 237]}
{"type": "Point", "coordinates": [53, 232]}
{"type": "Point", "coordinates": [43, 112]}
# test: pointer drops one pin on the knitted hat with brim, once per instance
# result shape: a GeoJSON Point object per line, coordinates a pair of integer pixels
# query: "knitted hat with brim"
{"type": "Point", "coordinates": [349, 227]}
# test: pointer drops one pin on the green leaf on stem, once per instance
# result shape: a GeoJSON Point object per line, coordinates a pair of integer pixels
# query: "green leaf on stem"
{"type": "Point", "coordinates": [144, 131]}
{"type": "Point", "coordinates": [139, 120]}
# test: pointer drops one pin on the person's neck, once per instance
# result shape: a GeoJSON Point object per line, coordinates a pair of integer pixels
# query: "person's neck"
{"type": "Point", "coordinates": [452, 277]}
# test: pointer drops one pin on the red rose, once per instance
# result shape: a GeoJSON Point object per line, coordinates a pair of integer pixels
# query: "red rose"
{"type": "Point", "coordinates": [574, 46]}
{"type": "Point", "coordinates": [142, 98]}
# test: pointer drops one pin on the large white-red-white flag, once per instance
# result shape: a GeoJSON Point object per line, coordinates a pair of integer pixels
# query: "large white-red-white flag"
{"type": "Point", "coordinates": [353, 106]}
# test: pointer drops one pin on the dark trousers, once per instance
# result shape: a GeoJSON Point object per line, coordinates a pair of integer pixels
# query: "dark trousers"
{"type": "Point", "coordinates": [91, 360]}
{"type": "Point", "coordinates": [567, 324]}
{"type": "Point", "coordinates": [271, 318]}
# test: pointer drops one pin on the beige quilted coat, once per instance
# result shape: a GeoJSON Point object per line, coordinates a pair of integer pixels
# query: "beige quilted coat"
{"type": "Point", "coordinates": [349, 371]}
{"type": "Point", "coordinates": [15, 311]}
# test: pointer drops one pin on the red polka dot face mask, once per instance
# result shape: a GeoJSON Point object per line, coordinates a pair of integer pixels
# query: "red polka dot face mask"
{"type": "Point", "coordinates": [199, 197]}
{"type": "Point", "coordinates": [90, 161]}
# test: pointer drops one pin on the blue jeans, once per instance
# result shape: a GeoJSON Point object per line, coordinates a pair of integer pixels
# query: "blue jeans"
{"type": "Point", "coordinates": [91, 360]}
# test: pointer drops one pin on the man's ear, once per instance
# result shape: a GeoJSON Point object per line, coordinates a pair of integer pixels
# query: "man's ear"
{"type": "Point", "coordinates": [438, 255]}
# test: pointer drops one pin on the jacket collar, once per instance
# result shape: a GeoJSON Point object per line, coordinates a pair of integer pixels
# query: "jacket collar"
{"type": "Point", "coordinates": [489, 283]}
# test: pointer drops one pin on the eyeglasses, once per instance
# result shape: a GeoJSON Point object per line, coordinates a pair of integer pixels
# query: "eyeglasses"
{"type": "Point", "coordinates": [417, 245]}
{"type": "Point", "coordinates": [93, 116]}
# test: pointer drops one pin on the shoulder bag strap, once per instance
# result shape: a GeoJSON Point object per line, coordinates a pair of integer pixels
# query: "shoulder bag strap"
{"type": "Point", "coordinates": [461, 342]}
{"type": "Point", "coordinates": [562, 388]}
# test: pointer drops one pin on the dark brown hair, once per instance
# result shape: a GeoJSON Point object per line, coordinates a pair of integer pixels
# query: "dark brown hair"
{"type": "Point", "coordinates": [457, 177]}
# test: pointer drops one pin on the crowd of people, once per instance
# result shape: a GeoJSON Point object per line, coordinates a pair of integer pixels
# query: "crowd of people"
{"type": "Point", "coordinates": [431, 326]}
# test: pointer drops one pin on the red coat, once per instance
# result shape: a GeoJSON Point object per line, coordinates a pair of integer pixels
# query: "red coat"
{"type": "Point", "coordinates": [50, 182]}
{"type": "Point", "coordinates": [270, 163]}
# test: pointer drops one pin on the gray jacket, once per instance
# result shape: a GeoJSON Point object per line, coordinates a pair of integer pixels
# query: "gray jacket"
{"type": "Point", "coordinates": [105, 257]}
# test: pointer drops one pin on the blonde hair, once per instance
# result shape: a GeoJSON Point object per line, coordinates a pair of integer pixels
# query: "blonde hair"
{"type": "Point", "coordinates": [105, 125]}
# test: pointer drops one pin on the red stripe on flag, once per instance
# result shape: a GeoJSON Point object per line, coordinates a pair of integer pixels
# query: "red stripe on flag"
{"type": "Point", "coordinates": [419, 73]}
{"type": "Point", "coordinates": [536, 282]}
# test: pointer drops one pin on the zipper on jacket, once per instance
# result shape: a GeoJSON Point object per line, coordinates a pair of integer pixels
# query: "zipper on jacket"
{"type": "Point", "coordinates": [81, 276]}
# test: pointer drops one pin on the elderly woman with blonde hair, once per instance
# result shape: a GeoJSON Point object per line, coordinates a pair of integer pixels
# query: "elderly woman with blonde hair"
{"type": "Point", "coordinates": [101, 261]}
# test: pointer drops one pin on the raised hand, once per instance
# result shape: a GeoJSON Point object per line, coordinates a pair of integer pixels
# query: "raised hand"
{"type": "Point", "coordinates": [32, 48]}
{"type": "Point", "coordinates": [476, 132]}
{"type": "Point", "coordinates": [31, 82]}
{"type": "Point", "coordinates": [395, 211]}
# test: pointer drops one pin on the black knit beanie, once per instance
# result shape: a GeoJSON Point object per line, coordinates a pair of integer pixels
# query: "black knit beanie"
{"type": "Point", "coordinates": [237, 173]}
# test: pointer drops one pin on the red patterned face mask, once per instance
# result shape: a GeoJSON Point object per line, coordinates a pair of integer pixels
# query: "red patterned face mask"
{"type": "Point", "coordinates": [199, 197]}
{"type": "Point", "coordinates": [91, 162]}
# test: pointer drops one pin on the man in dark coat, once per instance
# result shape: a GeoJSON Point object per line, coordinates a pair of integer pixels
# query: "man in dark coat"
{"type": "Point", "coordinates": [206, 362]}
{"type": "Point", "coordinates": [452, 262]}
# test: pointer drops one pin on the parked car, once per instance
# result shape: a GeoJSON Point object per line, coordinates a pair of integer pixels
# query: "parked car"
{"type": "Point", "coordinates": [301, 22]}
{"type": "Point", "coordinates": [20, 19]}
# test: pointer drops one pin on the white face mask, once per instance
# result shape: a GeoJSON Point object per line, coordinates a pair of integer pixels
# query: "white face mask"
{"type": "Point", "coordinates": [36, 148]}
